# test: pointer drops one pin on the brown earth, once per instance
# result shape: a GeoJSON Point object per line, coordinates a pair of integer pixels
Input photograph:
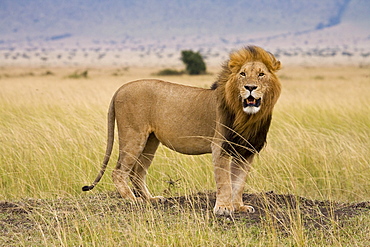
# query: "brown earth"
{"type": "Point", "coordinates": [279, 208]}
{"type": "Point", "coordinates": [19, 217]}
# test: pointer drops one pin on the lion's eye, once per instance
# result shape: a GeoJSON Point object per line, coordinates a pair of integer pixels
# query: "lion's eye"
{"type": "Point", "coordinates": [242, 73]}
{"type": "Point", "coordinates": [261, 74]}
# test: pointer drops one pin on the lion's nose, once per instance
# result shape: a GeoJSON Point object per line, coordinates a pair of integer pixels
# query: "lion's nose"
{"type": "Point", "coordinates": [250, 88]}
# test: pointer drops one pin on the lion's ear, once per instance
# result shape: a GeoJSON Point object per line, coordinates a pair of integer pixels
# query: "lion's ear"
{"type": "Point", "coordinates": [275, 64]}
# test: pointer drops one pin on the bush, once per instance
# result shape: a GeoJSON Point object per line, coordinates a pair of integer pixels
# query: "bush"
{"type": "Point", "coordinates": [194, 62]}
{"type": "Point", "coordinates": [79, 75]}
{"type": "Point", "coordinates": [170, 72]}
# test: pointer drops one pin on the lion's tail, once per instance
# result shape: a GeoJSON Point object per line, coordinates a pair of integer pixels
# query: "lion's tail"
{"type": "Point", "coordinates": [111, 125]}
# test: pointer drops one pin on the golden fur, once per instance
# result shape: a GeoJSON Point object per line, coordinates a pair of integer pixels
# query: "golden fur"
{"type": "Point", "coordinates": [231, 120]}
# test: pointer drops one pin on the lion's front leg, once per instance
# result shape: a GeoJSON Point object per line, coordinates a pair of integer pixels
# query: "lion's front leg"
{"type": "Point", "coordinates": [239, 171]}
{"type": "Point", "coordinates": [221, 161]}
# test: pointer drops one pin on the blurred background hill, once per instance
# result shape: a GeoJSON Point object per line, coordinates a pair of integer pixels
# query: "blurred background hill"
{"type": "Point", "coordinates": [153, 32]}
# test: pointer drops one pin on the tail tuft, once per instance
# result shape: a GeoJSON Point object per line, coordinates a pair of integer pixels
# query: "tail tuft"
{"type": "Point", "coordinates": [87, 188]}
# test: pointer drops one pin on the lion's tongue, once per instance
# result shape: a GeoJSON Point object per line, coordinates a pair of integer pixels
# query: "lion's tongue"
{"type": "Point", "coordinates": [249, 102]}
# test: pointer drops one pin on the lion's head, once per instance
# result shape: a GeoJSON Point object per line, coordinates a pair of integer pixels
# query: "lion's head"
{"type": "Point", "coordinates": [248, 87]}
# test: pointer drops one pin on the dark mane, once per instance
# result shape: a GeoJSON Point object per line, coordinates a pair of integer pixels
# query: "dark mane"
{"type": "Point", "coordinates": [237, 146]}
{"type": "Point", "coordinates": [214, 85]}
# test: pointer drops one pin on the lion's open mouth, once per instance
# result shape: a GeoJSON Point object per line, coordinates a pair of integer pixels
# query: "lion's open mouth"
{"type": "Point", "coordinates": [251, 102]}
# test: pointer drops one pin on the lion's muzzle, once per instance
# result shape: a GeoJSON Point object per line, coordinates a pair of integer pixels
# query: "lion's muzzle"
{"type": "Point", "coordinates": [251, 105]}
{"type": "Point", "coordinates": [251, 102]}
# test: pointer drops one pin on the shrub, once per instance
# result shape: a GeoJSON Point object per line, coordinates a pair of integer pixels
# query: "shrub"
{"type": "Point", "coordinates": [169, 72]}
{"type": "Point", "coordinates": [78, 75]}
{"type": "Point", "coordinates": [194, 62]}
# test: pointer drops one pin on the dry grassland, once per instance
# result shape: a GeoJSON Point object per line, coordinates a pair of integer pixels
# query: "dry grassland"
{"type": "Point", "coordinates": [53, 137]}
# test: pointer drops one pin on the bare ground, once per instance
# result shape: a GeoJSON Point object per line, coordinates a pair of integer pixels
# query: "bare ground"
{"type": "Point", "coordinates": [21, 217]}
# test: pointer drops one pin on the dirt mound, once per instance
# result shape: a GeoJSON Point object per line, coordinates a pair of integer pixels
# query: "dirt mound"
{"type": "Point", "coordinates": [279, 208]}
{"type": "Point", "coordinates": [18, 217]}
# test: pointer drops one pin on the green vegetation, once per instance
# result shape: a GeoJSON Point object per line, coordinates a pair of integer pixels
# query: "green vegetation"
{"type": "Point", "coordinates": [79, 75]}
{"type": "Point", "coordinates": [48, 73]}
{"type": "Point", "coordinates": [194, 62]}
{"type": "Point", "coordinates": [121, 71]}
{"type": "Point", "coordinates": [53, 134]}
{"type": "Point", "coordinates": [165, 72]}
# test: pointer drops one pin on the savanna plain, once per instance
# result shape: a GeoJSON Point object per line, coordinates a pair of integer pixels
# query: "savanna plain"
{"type": "Point", "coordinates": [310, 185]}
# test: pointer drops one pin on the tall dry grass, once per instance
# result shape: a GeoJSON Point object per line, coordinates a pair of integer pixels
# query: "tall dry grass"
{"type": "Point", "coordinates": [53, 135]}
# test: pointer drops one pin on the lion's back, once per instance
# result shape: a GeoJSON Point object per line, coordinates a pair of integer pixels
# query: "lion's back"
{"type": "Point", "coordinates": [182, 117]}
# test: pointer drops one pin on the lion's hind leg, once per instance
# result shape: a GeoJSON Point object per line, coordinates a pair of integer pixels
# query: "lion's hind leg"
{"type": "Point", "coordinates": [139, 171]}
{"type": "Point", "coordinates": [130, 151]}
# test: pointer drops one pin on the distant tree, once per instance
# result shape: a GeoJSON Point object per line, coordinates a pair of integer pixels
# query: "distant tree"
{"type": "Point", "coordinates": [194, 62]}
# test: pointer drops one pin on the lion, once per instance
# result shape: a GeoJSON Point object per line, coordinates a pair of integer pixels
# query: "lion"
{"type": "Point", "coordinates": [229, 120]}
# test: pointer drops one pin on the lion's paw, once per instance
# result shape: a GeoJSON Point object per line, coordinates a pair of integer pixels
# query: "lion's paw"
{"type": "Point", "coordinates": [158, 199]}
{"type": "Point", "coordinates": [246, 209]}
{"type": "Point", "coordinates": [223, 210]}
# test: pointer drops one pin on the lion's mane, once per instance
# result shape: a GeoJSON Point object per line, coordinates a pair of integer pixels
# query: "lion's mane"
{"type": "Point", "coordinates": [245, 133]}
